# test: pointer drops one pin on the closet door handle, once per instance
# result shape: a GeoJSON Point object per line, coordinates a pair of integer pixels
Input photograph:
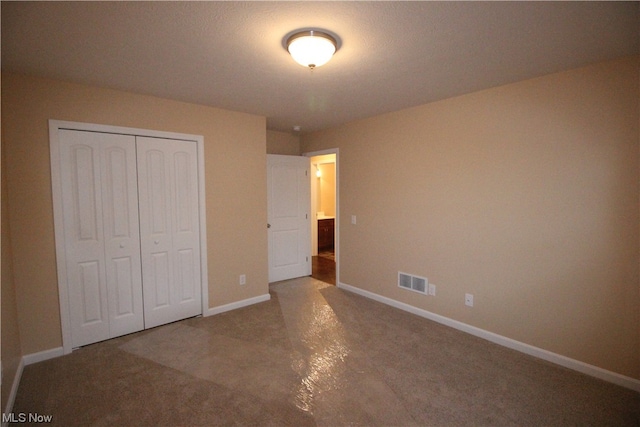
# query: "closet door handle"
{"type": "Point", "coordinates": [156, 241]}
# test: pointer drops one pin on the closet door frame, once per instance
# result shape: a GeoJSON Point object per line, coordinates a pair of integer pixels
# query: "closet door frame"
{"type": "Point", "coordinates": [56, 186]}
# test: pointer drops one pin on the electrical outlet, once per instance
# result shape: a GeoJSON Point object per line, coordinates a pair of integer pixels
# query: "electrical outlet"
{"type": "Point", "coordinates": [243, 279]}
{"type": "Point", "coordinates": [468, 299]}
{"type": "Point", "coordinates": [353, 219]}
{"type": "Point", "coordinates": [432, 289]}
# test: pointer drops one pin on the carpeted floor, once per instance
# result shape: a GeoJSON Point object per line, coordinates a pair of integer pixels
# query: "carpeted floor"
{"type": "Point", "coordinates": [314, 355]}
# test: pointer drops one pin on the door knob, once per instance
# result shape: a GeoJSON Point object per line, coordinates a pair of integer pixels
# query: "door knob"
{"type": "Point", "coordinates": [156, 241]}
{"type": "Point", "coordinates": [121, 245]}
{"type": "Point", "coordinates": [268, 225]}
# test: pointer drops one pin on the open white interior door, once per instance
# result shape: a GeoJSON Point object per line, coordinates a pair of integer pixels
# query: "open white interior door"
{"type": "Point", "coordinates": [289, 234]}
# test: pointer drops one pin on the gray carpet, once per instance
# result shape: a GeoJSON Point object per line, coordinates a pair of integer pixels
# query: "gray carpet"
{"type": "Point", "coordinates": [314, 355]}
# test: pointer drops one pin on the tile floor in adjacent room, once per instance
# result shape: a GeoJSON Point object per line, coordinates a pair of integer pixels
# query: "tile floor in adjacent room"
{"type": "Point", "coordinates": [314, 355]}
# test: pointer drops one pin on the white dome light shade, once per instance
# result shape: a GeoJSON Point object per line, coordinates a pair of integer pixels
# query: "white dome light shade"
{"type": "Point", "coordinates": [311, 48]}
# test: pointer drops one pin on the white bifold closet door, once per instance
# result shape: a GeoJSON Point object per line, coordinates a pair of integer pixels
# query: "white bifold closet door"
{"type": "Point", "coordinates": [131, 231]}
{"type": "Point", "coordinates": [102, 239]}
{"type": "Point", "coordinates": [169, 229]}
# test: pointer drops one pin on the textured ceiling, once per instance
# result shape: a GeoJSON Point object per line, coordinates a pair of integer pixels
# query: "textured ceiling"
{"type": "Point", "coordinates": [393, 55]}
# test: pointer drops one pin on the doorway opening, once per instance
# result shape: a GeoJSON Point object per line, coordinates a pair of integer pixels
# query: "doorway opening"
{"type": "Point", "coordinates": [324, 208]}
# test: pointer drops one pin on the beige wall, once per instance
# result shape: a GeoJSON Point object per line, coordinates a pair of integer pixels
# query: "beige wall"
{"type": "Point", "coordinates": [11, 348]}
{"type": "Point", "coordinates": [235, 173]}
{"type": "Point", "coordinates": [283, 143]}
{"type": "Point", "coordinates": [525, 195]}
{"type": "Point", "coordinates": [327, 186]}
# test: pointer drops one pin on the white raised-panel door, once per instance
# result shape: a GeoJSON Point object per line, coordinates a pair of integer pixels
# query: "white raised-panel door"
{"type": "Point", "coordinates": [122, 235]}
{"type": "Point", "coordinates": [288, 204]}
{"type": "Point", "coordinates": [98, 178]}
{"type": "Point", "coordinates": [169, 229]}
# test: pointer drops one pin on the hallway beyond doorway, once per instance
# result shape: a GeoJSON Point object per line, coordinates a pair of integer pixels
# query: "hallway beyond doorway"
{"type": "Point", "coordinates": [324, 207]}
{"type": "Point", "coordinates": [323, 267]}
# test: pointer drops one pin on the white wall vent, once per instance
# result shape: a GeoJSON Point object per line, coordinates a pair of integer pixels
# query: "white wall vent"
{"type": "Point", "coordinates": [413, 283]}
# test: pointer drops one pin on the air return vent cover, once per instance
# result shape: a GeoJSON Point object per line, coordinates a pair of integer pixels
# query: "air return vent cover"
{"type": "Point", "coordinates": [413, 283]}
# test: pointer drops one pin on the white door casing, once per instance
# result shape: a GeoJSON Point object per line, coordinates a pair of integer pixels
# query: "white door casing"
{"type": "Point", "coordinates": [102, 243]}
{"type": "Point", "coordinates": [168, 181]}
{"type": "Point", "coordinates": [288, 205]}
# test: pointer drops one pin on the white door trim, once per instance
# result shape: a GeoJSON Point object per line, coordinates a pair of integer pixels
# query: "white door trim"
{"type": "Point", "coordinates": [335, 151]}
{"type": "Point", "coordinates": [54, 145]}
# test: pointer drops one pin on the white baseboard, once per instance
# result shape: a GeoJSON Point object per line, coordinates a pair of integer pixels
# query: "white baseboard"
{"type": "Point", "coordinates": [28, 359]}
{"type": "Point", "coordinates": [238, 304]}
{"type": "Point", "coordinates": [576, 365]}
{"type": "Point", "coordinates": [14, 390]}
{"type": "Point", "coordinates": [41, 356]}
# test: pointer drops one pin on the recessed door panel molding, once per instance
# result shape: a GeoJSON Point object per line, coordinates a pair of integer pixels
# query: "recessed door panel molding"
{"type": "Point", "coordinates": [130, 229]}
{"type": "Point", "coordinates": [158, 279]}
{"type": "Point", "coordinates": [286, 248]}
{"type": "Point", "coordinates": [285, 190]}
{"type": "Point", "coordinates": [186, 282]}
{"type": "Point", "coordinates": [117, 192]}
{"type": "Point", "coordinates": [183, 191]}
{"type": "Point", "coordinates": [156, 192]}
{"type": "Point", "coordinates": [90, 291]}
{"type": "Point", "coordinates": [123, 273]}
{"type": "Point", "coordinates": [82, 184]}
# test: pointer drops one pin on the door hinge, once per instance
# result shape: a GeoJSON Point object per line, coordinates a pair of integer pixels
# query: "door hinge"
{"type": "Point", "coordinates": [307, 259]}
{"type": "Point", "coordinates": [306, 173]}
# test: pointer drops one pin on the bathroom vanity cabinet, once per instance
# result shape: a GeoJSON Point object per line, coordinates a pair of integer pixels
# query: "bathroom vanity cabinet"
{"type": "Point", "coordinates": [326, 234]}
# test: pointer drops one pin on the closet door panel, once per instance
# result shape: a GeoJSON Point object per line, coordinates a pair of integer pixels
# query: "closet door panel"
{"type": "Point", "coordinates": [155, 233]}
{"type": "Point", "coordinates": [102, 240]}
{"type": "Point", "coordinates": [83, 236]}
{"type": "Point", "coordinates": [122, 234]}
{"type": "Point", "coordinates": [168, 183]}
{"type": "Point", "coordinates": [186, 230]}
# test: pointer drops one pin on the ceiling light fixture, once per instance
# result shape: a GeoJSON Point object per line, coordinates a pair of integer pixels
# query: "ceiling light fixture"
{"type": "Point", "coordinates": [311, 48]}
